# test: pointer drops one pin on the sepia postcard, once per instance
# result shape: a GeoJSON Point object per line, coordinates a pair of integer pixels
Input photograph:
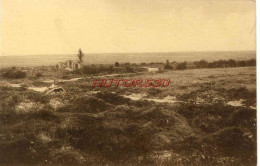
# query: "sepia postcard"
{"type": "Point", "coordinates": [128, 83]}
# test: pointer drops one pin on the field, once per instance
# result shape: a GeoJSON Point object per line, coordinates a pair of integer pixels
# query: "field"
{"type": "Point", "coordinates": [205, 117]}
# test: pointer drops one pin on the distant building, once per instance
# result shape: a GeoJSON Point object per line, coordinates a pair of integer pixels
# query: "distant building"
{"type": "Point", "coordinates": [76, 65]}
{"type": "Point", "coordinates": [69, 63]}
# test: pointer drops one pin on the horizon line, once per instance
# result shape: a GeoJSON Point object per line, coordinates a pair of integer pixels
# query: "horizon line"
{"type": "Point", "coordinates": [125, 53]}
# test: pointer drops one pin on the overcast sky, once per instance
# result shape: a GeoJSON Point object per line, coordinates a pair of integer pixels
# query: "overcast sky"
{"type": "Point", "coordinates": [98, 26]}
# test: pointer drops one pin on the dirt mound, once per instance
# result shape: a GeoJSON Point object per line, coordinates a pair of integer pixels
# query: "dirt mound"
{"type": "Point", "coordinates": [113, 98]}
{"type": "Point", "coordinates": [88, 104]}
{"type": "Point", "coordinates": [56, 103]}
{"type": "Point", "coordinates": [27, 106]}
{"type": "Point", "coordinates": [232, 141]}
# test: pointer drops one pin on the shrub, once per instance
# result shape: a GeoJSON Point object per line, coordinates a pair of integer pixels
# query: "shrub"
{"type": "Point", "coordinates": [39, 75]}
{"type": "Point", "coordinates": [111, 69]}
{"type": "Point", "coordinates": [129, 69]}
{"type": "Point", "coordinates": [232, 141]}
{"type": "Point", "coordinates": [14, 74]}
{"type": "Point", "coordinates": [86, 104]}
{"type": "Point", "coordinates": [181, 66]}
{"type": "Point", "coordinates": [45, 114]}
{"type": "Point", "coordinates": [168, 67]}
{"type": "Point", "coordinates": [201, 64]}
{"type": "Point", "coordinates": [246, 118]}
{"type": "Point", "coordinates": [116, 64]}
{"type": "Point", "coordinates": [19, 151]}
{"type": "Point", "coordinates": [113, 98]}
{"type": "Point", "coordinates": [231, 63]}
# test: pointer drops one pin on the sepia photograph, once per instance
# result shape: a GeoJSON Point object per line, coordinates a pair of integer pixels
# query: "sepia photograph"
{"type": "Point", "coordinates": [128, 83]}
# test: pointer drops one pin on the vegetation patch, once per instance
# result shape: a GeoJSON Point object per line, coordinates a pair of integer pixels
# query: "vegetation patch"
{"type": "Point", "coordinates": [13, 74]}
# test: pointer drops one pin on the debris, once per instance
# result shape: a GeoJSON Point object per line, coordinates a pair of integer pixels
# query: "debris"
{"type": "Point", "coordinates": [54, 89]}
{"type": "Point", "coordinates": [93, 92]}
{"type": "Point", "coordinates": [236, 103]}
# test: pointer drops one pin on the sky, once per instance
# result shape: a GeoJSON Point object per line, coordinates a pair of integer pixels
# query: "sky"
{"type": "Point", "coordinates": [34, 27]}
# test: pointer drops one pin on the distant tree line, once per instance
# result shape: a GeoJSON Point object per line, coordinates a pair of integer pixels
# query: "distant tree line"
{"type": "Point", "coordinates": [205, 64]}
{"type": "Point", "coordinates": [224, 63]}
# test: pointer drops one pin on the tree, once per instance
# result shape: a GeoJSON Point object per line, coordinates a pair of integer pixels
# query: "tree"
{"type": "Point", "coordinates": [80, 56]}
{"type": "Point", "coordinates": [168, 66]}
{"type": "Point", "coordinates": [116, 64]}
